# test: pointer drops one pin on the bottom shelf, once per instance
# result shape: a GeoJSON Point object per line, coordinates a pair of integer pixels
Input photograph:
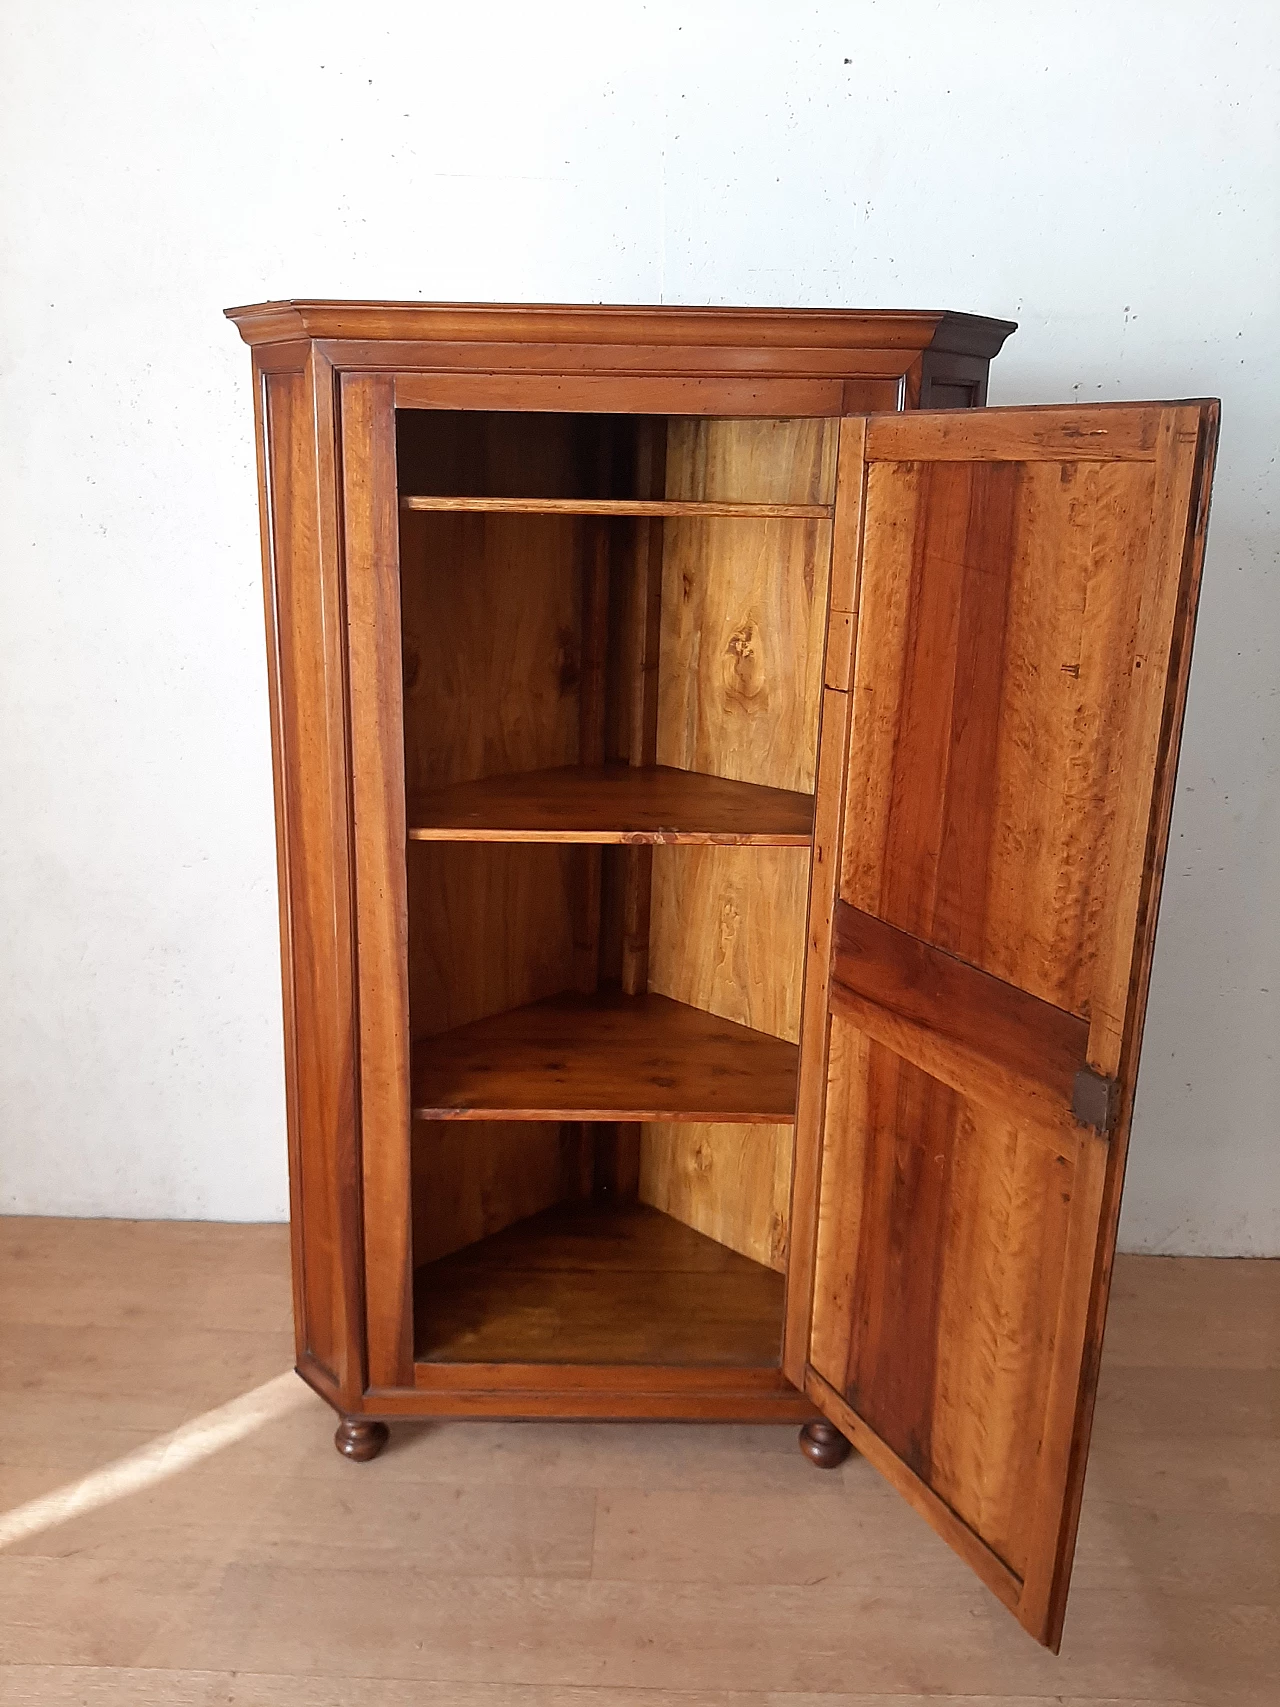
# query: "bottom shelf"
{"type": "Point", "coordinates": [599, 1282]}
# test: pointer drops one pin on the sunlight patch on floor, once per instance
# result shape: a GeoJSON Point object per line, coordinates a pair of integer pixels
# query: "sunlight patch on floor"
{"type": "Point", "coordinates": [160, 1459]}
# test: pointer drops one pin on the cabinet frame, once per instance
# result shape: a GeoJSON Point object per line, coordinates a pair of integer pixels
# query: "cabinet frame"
{"type": "Point", "coordinates": [329, 532]}
{"type": "Point", "coordinates": [328, 380]}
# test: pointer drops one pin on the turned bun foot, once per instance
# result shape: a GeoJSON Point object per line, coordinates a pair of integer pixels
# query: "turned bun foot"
{"type": "Point", "coordinates": [824, 1445]}
{"type": "Point", "coordinates": [358, 1438]}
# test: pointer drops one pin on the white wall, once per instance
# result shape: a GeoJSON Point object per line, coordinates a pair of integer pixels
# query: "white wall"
{"type": "Point", "coordinates": [1106, 173]}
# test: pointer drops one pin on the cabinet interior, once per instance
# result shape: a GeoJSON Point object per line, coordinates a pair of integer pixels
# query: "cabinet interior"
{"type": "Point", "coordinates": [610, 738]}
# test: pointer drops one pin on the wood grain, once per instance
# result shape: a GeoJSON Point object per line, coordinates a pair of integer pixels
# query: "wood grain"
{"type": "Point", "coordinates": [616, 507]}
{"type": "Point", "coordinates": [940, 1250]}
{"type": "Point", "coordinates": [728, 936]}
{"type": "Point", "coordinates": [674, 394]}
{"type": "Point", "coordinates": [718, 336]}
{"type": "Point", "coordinates": [729, 1182]}
{"type": "Point", "coordinates": [608, 1057]}
{"type": "Point", "coordinates": [638, 631]}
{"type": "Point", "coordinates": [472, 1179]}
{"type": "Point", "coordinates": [611, 1284]}
{"type": "Point", "coordinates": [1091, 432]}
{"type": "Point", "coordinates": [743, 623]}
{"type": "Point", "coordinates": [811, 1091]}
{"type": "Point", "coordinates": [1022, 637]}
{"type": "Point", "coordinates": [728, 932]}
{"type": "Point", "coordinates": [491, 927]}
{"type": "Point", "coordinates": [1048, 1584]}
{"type": "Point", "coordinates": [493, 656]}
{"type": "Point", "coordinates": [972, 1031]}
{"type": "Point", "coordinates": [846, 551]}
{"type": "Point", "coordinates": [302, 586]}
{"type": "Point", "coordinates": [992, 664]}
{"type": "Point", "coordinates": [492, 646]}
{"type": "Point", "coordinates": [613, 804]}
{"type": "Point", "coordinates": [744, 615]}
{"type": "Point", "coordinates": [377, 762]}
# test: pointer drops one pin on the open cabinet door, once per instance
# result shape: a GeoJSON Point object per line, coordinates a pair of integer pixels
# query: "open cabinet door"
{"type": "Point", "coordinates": [1013, 599]}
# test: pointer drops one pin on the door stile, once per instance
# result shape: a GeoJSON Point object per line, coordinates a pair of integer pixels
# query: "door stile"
{"type": "Point", "coordinates": [1130, 874]}
{"type": "Point", "coordinates": [824, 880]}
{"type": "Point", "coordinates": [1186, 450]}
{"type": "Point", "coordinates": [372, 559]}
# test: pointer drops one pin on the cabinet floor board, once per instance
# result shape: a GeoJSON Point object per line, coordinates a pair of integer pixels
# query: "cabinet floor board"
{"type": "Point", "coordinates": [599, 1283]}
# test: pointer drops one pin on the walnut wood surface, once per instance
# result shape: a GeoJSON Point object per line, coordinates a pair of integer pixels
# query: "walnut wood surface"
{"type": "Point", "coordinates": [1025, 586]}
{"type": "Point", "coordinates": [589, 1283]}
{"type": "Point", "coordinates": [743, 619]}
{"type": "Point", "coordinates": [605, 1057]}
{"type": "Point", "coordinates": [619, 507]}
{"type": "Point", "coordinates": [360, 1439]}
{"type": "Point", "coordinates": [302, 581]}
{"type": "Point", "coordinates": [613, 804]}
{"type": "Point", "coordinates": [962, 1026]}
{"type": "Point", "coordinates": [730, 336]}
{"type": "Point", "coordinates": [470, 1179]}
{"type": "Point", "coordinates": [493, 665]}
{"type": "Point", "coordinates": [730, 1182]}
{"type": "Point", "coordinates": [372, 583]}
{"type": "Point", "coordinates": [811, 1091]}
{"type": "Point", "coordinates": [823, 1444]}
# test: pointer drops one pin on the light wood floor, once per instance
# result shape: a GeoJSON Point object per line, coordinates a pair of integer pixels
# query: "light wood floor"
{"type": "Point", "coordinates": [526, 1565]}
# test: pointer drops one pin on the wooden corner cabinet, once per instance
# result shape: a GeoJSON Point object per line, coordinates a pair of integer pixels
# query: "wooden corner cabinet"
{"type": "Point", "coordinates": [723, 774]}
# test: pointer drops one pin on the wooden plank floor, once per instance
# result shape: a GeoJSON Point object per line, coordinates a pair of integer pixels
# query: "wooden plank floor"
{"type": "Point", "coordinates": [549, 1565]}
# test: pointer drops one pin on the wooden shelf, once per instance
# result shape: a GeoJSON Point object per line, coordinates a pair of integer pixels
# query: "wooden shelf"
{"type": "Point", "coordinates": [597, 1282]}
{"type": "Point", "coordinates": [605, 1057]}
{"type": "Point", "coordinates": [613, 803]}
{"type": "Point", "coordinates": [620, 507]}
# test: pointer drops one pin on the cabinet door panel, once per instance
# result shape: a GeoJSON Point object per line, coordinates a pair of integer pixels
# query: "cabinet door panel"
{"type": "Point", "coordinates": [1025, 591]}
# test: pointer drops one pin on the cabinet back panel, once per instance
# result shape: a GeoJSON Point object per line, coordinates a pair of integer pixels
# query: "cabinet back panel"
{"type": "Point", "coordinates": [491, 927]}
{"type": "Point", "coordinates": [491, 617]}
{"type": "Point", "coordinates": [491, 621]}
{"type": "Point", "coordinates": [732, 1183]}
{"type": "Point", "coordinates": [473, 1178]}
{"type": "Point", "coordinates": [752, 461]}
{"type": "Point", "coordinates": [727, 935]}
{"type": "Point", "coordinates": [744, 610]}
{"type": "Point", "coordinates": [486, 453]}
{"type": "Point", "coordinates": [727, 932]}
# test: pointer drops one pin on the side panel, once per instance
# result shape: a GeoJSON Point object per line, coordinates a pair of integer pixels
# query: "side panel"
{"type": "Point", "coordinates": [744, 609]}
{"type": "Point", "coordinates": [305, 638]}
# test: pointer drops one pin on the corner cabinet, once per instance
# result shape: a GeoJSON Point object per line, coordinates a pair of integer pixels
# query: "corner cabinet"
{"type": "Point", "coordinates": [723, 775]}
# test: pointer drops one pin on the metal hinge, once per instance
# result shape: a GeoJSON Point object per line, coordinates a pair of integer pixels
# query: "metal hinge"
{"type": "Point", "coordinates": [1095, 1100]}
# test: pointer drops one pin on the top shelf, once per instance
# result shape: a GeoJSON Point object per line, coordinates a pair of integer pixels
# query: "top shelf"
{"type": "Point", "coordinates": [621, 507]}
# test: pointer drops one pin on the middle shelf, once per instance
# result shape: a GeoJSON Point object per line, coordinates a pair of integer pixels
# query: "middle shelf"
{"type": "Point", "coordinates": [613, 804]}
{"type": "Point", "coordinates": [605, 1057]}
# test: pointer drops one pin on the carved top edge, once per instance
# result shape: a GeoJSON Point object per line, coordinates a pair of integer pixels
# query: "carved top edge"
{"type": "Point", "coordinates": [583, 323]}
